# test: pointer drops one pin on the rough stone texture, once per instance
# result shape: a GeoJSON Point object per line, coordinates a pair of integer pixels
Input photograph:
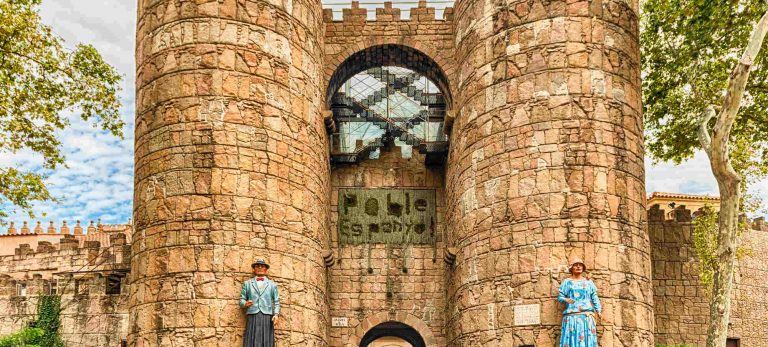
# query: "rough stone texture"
{"type": "Point", "coordinates": [417, 296]}
{"type": "Point", "coordinates": [680, 302]}
{"type": "Point", "coordinates": [231, 165]}
{"type": "Point", "coordinates": [89, 318]}
{"type": "Point", "coordinates": [546, 162]}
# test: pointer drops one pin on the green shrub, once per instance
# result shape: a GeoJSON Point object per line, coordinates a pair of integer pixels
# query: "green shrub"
{"type": "Point", "coordinates": [44, 332]}
{"type": "Point", "coordinates": [27, 337]}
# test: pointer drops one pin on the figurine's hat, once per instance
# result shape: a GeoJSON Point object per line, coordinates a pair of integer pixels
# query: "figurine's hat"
{"type": "Point", "coordinates": [574, 261]}
{"type": "Point", "coordinates": [259, 262]}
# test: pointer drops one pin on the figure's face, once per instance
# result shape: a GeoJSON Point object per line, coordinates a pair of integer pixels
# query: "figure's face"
{"type": "Point", "coordinates": [260, 270]}
{"type": "Point", "coordinates": [577, 268]}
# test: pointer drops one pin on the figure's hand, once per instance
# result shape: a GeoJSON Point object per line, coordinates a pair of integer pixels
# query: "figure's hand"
{"type": "Point", "coordinates": [275, 319]}
{"type": "Point", "coordinates": [249, 303]}
{"type": "Point", "coordinates": [569, 300]}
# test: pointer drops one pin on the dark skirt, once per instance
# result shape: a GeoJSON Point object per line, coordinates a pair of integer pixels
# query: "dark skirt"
{"type": "Point", "coordinates": [259, 331]}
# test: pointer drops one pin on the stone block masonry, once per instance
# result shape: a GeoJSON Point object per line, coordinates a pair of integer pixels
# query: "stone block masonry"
{"type": "Point", "coordinates": [231, 165]}
{"type": "Point", "coordinates": [545, 163]}
{"type": "Point", "coordinates": [80, 271]}
{"type": "Point", "coordinates": [681, 304]}
{"type": "Point", "coordinates": [376, 282]}
{"type": "Point", "coordinates": [88, 275]}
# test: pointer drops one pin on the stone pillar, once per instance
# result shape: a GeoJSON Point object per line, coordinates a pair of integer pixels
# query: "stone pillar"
{"type": "Point", "coordinates": [546, 162]}
{"type": "Point", "coordinates": [231, 165]}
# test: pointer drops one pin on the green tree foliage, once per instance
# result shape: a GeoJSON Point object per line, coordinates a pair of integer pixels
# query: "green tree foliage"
{"type": "Point", "coordinates": [44, 332]}
{"type": "Point", "coordinates": [40, 82]}
{"type": "Point", "coordinates": [24, 338]}
{"type": "Point", "coordinates": [705, 244]}
{"type": "Point", "coordinates": [689, 48]}
{"type": "Point", "coordinates": [705, 240]}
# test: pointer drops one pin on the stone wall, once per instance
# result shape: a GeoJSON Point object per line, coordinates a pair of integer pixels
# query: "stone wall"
{"type": "Point", "coordinates": [680, 302]}
{"type": "Point", "coordinates": [79, 274]}
{"type": "Point", "coordinates": [373, 283]}
{"type": "Point", "coordinates": [546, 163]}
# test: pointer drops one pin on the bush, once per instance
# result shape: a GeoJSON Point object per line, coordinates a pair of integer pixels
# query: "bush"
{"type": "Point", "coordinates": [27, 337]}
{"type": "Point", "coordinates": [44, 332]}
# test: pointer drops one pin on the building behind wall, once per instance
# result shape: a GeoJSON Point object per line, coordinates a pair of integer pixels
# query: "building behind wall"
{"type": "Point", "coordinates": [87, 270]}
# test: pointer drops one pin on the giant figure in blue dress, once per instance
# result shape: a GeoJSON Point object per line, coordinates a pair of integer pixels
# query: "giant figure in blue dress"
{"type": "Point", "coordinates": [579, 295]}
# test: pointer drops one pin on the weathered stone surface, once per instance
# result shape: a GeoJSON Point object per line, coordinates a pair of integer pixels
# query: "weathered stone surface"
{"type": "Point", "coordinates": [77, 268]}
{"type": "Point", "coordinates": [375, 282]}
{"type": "Point", "coordinates": [681, 306]}
{"type": "Point", "coordinates": [546, 162]}
{"type": "Point", "coordinates": [231, 165]}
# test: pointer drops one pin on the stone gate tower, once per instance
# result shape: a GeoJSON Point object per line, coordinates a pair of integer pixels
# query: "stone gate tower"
{"type": "Point", "coordinates": [233, 161]}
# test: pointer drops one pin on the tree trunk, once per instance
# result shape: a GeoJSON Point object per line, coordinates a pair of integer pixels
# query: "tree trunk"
{"type": "Point", "coordinates": [729, 183]}
{"type": "Point", "coordinates": [722, 284]}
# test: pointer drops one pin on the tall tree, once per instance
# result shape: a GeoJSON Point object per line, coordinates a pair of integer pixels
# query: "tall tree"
{"type": "Point", "coordinates": [692, 103]}
{"type": "Point", "coordinates": [40, 82]}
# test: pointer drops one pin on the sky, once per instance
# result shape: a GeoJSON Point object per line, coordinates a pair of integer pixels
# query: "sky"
{"type": "Point", "coordinates": [98, 180]}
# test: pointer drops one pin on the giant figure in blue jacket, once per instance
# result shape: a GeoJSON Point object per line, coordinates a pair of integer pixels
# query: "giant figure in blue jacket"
{"type": "Point", "coordinates": [262, 303]}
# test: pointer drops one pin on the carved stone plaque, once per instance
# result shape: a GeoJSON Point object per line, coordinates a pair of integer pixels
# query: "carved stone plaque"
{"type": "Point", "coordinates": [339, 322]}
{"type": "Point", "coordinates": [395, 216]}
{"type": "Point", "coordinates": [527, 314]}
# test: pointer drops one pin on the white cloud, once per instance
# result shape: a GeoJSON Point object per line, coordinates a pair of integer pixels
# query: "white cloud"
{"type": "Point", "coordinates": [691, 177]}
{"type": "Point", "coordinates": [98, 179]}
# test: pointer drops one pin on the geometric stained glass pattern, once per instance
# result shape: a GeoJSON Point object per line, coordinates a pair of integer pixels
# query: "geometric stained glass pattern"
{"type": "Point", "coordinates": [385, 105]}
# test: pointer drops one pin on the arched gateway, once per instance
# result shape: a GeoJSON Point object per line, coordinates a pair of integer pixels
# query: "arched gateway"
{"type": "Point", "coordinates": [403, 334]}
{"type": "Point", "coordinates": [509, 135]}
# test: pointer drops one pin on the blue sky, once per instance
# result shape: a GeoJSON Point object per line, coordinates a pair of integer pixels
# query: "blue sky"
{"type": "Point", "coordinates": [98, 182]}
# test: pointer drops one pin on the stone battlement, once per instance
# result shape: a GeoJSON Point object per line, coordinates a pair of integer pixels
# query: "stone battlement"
{"type": "Point", "coordinates": [682, 214]}
{"type": "Point", "coordinates": [69, 242]}
{"type": "Point", "coordinates": [26, 240]}
{"type": "Point", "coordinates": [422, 13]}
{"type": "Point", "coordinates": [64, 229]}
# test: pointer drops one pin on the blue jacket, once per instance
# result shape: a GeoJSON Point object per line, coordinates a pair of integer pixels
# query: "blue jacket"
{"type": "Point", "coordinates": [262, 300]}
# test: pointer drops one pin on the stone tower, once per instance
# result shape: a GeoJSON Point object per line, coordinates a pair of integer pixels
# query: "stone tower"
{"type": "Point", "coordinates": [231, 165]}
{"type": "Point", "coordinates": [546, 162]}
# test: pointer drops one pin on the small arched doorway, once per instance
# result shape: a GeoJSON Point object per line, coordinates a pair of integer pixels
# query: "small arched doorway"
{"type": "Point", "coordinates": [399, 333]}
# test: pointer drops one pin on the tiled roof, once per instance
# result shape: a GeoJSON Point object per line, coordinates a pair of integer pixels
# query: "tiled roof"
{"type": "Point", "coordinates": [666, 195]}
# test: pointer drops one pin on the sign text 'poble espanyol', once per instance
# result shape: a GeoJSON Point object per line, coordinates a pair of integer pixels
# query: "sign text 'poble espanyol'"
{"type": "Point", "coordinates": [398, 216]}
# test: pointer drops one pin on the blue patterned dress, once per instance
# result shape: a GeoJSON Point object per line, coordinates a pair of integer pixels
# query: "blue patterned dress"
{"type": "Point", "coordinates": [578, 330]}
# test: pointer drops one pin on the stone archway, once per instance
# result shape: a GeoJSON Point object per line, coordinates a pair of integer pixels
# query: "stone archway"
{"type": "Point", "coordinates": [400, 320]}
{"type": "Point", "coordinates": [392, 55]}
{"type": "Point", "coordinates": [401, 334]}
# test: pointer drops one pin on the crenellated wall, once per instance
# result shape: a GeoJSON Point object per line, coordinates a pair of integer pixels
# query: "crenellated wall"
{"type": "Point", "coordinates": [33, 237]}
{"type": "Point", "coordinates": [681, 306]}
{"type": "Point", "coordinates": [346, 39]}
{"type": "Point", "coordinates": [76, 267]}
